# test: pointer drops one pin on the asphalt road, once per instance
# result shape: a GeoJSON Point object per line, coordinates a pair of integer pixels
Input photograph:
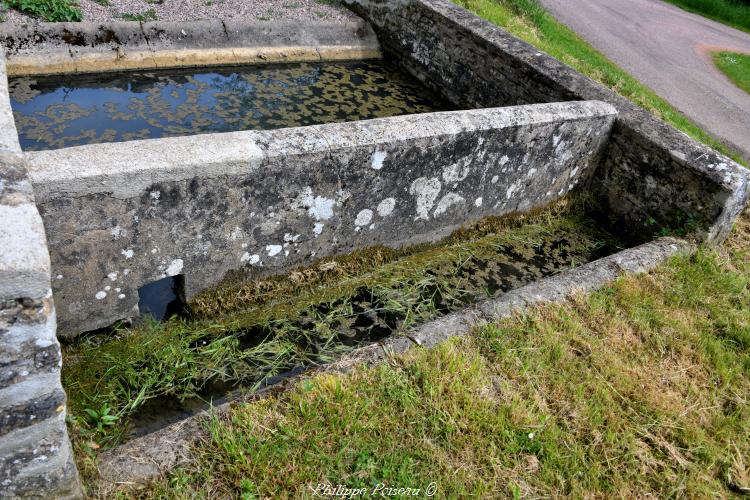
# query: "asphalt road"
{"type": "Point", "coordinates": [668, 49]}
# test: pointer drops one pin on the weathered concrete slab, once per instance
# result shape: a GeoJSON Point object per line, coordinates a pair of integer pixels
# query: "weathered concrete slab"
{"type": "Point", "coordinates": [52, 48]}
{"type": "Point", "coordinates": [653, 176]}
{"type": "Point", "coordinates": [121, 215]}
{"type": "Point", "coordinates": [35, 454]}
{"type": "Point", "coordinates": [149, 456]}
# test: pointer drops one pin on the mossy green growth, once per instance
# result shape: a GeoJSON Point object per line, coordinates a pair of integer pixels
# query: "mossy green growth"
{"type": "Point", "coordinates": [242, 333]}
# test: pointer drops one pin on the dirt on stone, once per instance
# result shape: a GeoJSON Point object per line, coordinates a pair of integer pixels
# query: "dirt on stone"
{"type": "Point", "coordinates": [192, 10]}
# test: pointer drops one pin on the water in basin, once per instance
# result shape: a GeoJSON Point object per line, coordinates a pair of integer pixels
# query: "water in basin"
{"type": "Point", "coordinates": [62, 111]}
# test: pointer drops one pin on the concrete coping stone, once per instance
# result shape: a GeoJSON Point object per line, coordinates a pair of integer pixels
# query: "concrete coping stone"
{"type": "Point", "coordinates": [108, 168]}
{"type": "Point", "coordinates": [148, 456]}
{"type": "Point", "coordinates": [60, 48]}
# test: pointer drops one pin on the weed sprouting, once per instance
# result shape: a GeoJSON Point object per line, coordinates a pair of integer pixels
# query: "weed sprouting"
{"type": "Point", "coordinates": [147, 15]}
{"type": "Point", "coordinates": [49, 10]}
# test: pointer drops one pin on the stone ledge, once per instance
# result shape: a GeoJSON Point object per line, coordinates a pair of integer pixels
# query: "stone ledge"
{"type": "Point", "coordinates": [55, 48]}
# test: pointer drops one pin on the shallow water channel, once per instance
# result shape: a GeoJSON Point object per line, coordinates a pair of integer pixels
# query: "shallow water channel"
{"type": "Point", "coordinates": [270, 328]}
{"type": "Point", "coordinates": [62, 111]}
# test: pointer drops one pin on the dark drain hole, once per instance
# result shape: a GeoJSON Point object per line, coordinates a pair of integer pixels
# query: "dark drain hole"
{"type": "Point", "coordinates": [163, 298]}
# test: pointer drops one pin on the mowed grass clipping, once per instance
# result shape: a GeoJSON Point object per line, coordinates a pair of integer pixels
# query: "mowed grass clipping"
{"type": "Point", "coordinates": [736, 66]}
{"type": "Point", "coordinates": [529, 21]}
{"type": "Point", "coordinates": [640, 389]}
{"type": "Point", "coordinates": [735, 13]}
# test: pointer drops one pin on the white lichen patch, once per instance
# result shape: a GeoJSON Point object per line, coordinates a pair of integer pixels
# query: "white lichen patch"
{"type": "Point", "coordinates": [385, 207]}
{"type": "Point", "coordinates": [495, 178]}
{"type": "Point", "coordinates": [174, 268]}
{"type": "Point", "coordinates": [112, 276]}
{"type": "Point", "coordinates": [118, 232]}
{"type": "Point", "coordinates": [273, 250]}
{"type": "Point", "coordinates": [448, 201]}
{"type": "Point", "coordinates": [426, 191]}
{"type": "Point", "coordinates": [236, 233]}
{"type": "Point", "coordinates": [377, 159]}
{"type": "Point", "coordinates": [318, 228]}
{"type": "Point", "coordinates": [251, 259]}
{"type": "Point", "coordinates": [478, 202]}
{"type": "Point", "coordinates": [318, 207]}
{"type": "Point", "coordinates": [128, 253]}
{"type": "Point", "coordinates": [510, 191]}
{"type": "Point", "coordinates": [100, 295]}
{"type": "Point", "coordinates": [363, 217]}
{"type": "Point", "coordinates": [458, 171]}
{"type": "Point", "coordinates": [121, 296]}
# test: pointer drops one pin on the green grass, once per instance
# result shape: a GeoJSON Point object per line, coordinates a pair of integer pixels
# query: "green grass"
{"type": "Point", "coordinates": [734, 13]}
{"type": "Point", "coordinates": [49, 10]}
{"type": "Point", "coordinates": [640, 389]}
{"type": "Point", "coordinates": [736, 66]}
{"type": "Point", "coordinates": [528, 20]}
{"type": "Point", "coordinates": [145, 16]}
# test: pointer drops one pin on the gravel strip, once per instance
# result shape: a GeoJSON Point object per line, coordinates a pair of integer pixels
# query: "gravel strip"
{"type": "Point", "coordinates": [191, 10]}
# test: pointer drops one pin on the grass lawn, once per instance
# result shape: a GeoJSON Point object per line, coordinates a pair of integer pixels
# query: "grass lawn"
{"type": "Point", "coordinates": [736, 67]}
{"type": "Point", "coordinates": [640, 389]}
{"type": "Point", "coordinates": [731, 12]}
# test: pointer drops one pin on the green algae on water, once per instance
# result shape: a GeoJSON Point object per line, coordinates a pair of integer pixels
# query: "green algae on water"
{"type": "Point", "coordinates": [62, 111]}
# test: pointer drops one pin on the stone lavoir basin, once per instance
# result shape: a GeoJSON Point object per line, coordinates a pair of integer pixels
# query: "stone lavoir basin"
{"type": "Point", "coordinates": [281, 196]}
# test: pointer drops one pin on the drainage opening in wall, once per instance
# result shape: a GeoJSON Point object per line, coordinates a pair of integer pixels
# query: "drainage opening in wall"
{"type": "Point", "coordinates": [163, 298]}
{"type": "Point", "coordinates": [62, 111]}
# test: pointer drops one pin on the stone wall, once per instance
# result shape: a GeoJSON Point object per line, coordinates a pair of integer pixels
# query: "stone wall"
{"type": "Point", "coordinates": [267, 201]}
{"type": "Point", "coordinates": [51, 48]}
{"type": "Point", "coordinates": [653, 176]}
{"type": "Point", "coordinates": [35, 454]}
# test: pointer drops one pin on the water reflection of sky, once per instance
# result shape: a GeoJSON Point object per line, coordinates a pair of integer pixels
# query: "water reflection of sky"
{"type": "Point", "coordinates": [68, 111]}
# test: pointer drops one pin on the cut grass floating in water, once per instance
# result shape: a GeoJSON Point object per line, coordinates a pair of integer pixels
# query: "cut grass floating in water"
{"type": "Point", "coordinates": [528, 20]}
{"type": "Point", "coordinates": [325, 317]}
{"type": "Point", "coordinates": [736, 66]}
